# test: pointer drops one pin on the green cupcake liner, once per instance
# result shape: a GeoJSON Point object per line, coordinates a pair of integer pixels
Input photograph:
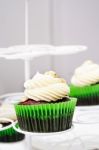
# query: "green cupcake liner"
{"type": "Point", "coordinates": [8, 134]}
{"type": "Point", "coordinates": [50, 117]}
{"type": "Point", "coordinates": [87, 95]}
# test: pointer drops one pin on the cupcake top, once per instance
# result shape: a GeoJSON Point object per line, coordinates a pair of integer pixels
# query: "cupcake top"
{"type": "Point", "coordinates": [86, 74]}
{"type": "Point", "coordinates": [46, 87]}
{"type": "Point", "coordinates": [52, 73]}
{"type": "Point", "coordinates": [7, 111]}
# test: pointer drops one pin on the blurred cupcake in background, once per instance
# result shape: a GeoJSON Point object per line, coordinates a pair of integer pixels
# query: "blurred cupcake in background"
{"type": "Point", "coordinates": [85, 84]}
{"type": "Point", "coordinates": [7, 111]}
{"type": "Point", "coordinates": [7, 116]}
{"type": "Point", "coordinates": [46, 106]}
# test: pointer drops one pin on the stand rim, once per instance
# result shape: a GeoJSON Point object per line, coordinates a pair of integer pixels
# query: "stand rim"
{"type": "Point", "coordinates": [40, 134]}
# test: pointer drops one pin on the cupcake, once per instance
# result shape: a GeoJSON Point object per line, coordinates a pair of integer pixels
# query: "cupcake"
{"type": "Point", "coordinates": [7, 111]}
{"type": "Point", "coordinates": [46, 105]}
{"type": "Point", "coordinates": [7, 116]}
{"type": "Point", "coordinates": [85, 84]}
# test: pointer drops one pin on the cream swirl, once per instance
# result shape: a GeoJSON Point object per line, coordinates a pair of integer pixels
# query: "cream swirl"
{"type": "Point", "coordinates": [7, 111]}
{"type": "Point", "coordinates": [45, 87]}
{"type": "Point", "coordinates": [86, 74]}
{"type": "Point", "coordinates": [1, 126]}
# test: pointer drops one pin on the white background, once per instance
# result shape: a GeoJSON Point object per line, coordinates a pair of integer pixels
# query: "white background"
{"type": "Point", "coordinates": [50, 22]}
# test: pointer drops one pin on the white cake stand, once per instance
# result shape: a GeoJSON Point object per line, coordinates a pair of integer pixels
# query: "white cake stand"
{"type": "Point", "coordinates": [28, 52]}
{"type": "Point", "coordinates": [48, 141]}
{"type": "Point", "coordinates": [79, 137]}
{"type": "Point", "coordinates": [25, 53]}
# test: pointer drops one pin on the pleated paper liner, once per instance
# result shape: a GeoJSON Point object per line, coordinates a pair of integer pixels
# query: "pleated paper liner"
{"type": "Point", "coordinates": [8, 134]}
{"type": "Point", "coordinates": [50, 117]}
{"type": "Point", "coordinates": [87, 95]}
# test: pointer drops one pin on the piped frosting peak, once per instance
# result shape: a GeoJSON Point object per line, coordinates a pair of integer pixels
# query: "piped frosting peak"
{"type": "Point", "coordinates": [46, 87]}
{"type": "Point", "coordinates": [86, 74]}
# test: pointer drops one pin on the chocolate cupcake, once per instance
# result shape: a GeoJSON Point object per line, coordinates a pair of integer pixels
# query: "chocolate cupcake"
{"type": "Point", "coordinates": [47, 106]}
{"type": "Point", "coordinates": [85, 84]}
{"type": "Point", "coordinates": [7, 116]}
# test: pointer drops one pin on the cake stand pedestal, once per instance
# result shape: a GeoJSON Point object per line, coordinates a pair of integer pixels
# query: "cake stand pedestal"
{"type": "Point", "coordinates": [57, 140]}
{"type": "Point", "coordinates": [84, 135]}
{"type": "Point", "coordinates": [79, 137]}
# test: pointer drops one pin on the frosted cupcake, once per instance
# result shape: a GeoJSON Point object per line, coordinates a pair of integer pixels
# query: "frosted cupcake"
{"type": "Point", "coordinates": [7, 111]}
{"type": "Point", "coordinates": [46, 106]}
{"type": "Point", "coordinates": [85, 84]}
{"type": "Point", "coordinates": [7, 133]}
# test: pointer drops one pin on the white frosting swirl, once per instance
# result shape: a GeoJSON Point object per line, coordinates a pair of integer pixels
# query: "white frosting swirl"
{"type": "Point", "coordinates": [86, 74]}
{"type": "Point", "coordinates": [45, 87]}
{"type": "Point", "coordinates": [1, 126]}
{"type": "Point", "coordinates": [7, 111]}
